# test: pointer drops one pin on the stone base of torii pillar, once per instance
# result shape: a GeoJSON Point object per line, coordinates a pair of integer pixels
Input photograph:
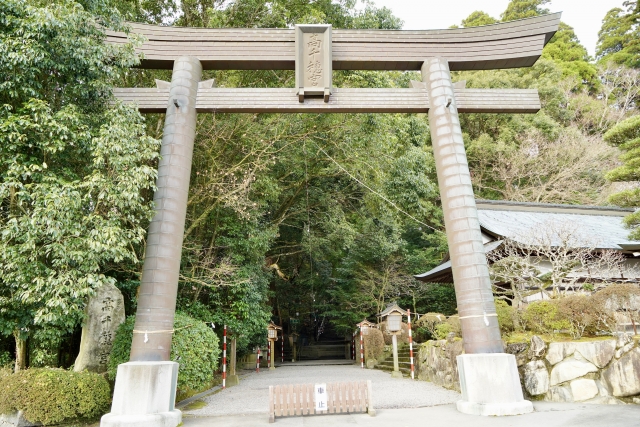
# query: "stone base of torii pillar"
{"type": "Point", "coordinates": [144, 396]}
{"type": "Point", "coordinates": [490, 385]}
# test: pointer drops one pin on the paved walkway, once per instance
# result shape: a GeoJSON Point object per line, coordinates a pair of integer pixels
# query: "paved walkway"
{"type": "Point", "coordinates": [251, 396]}
{"type": "Point", "coordinates": [400, 403]}
{"type": "Point", "coordinates": [546, 415]}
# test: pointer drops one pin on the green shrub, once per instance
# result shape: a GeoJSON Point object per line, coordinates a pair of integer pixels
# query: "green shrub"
{"type": "Point", "coordinates": [451, 325]}
{"type": "Point", "coordinates": [454, 321]}
{"type": "Point", "coordinates": [581, 312]}
{"type": "Point", "coordinates": [373, 345]}
{"type": "Point", "coordinates": [6, 371]}
{"type": "Point", "coordinates": [429, 321]}
{"type": "Point", "coordinates": [505, 315]}
{"type": "Point", "coordinates": [194, 347]}
{"type": "Point", "coordinates": [52, 396]}
{"type": "Point", "coordinates": [542, 317]}
{"type": "Point", "coordinates": [442, 330]}
{"type": "Point", "coordinates": [617, 297]}
{"type": "Point", "coordinates": [43, 348]}
{"type": "Point", "coordinates": [5, 359]}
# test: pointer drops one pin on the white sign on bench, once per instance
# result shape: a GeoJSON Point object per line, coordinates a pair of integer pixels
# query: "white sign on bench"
{"type": "Point", "coordinates": [329, 398]}
{"type": "Point", "coordinates": [321, 397]}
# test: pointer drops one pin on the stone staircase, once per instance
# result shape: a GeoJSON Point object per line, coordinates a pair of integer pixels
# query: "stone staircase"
{"type": "Point", "coordinates": [323, 349]}
{"type": "Point", "coordinates": [404, 362]}
{"type": "Point", "coordinates": [329, 345]}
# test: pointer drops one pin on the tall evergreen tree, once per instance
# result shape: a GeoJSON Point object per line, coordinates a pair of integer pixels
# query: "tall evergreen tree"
{"type": "Point", "coordinates": [618, 39]}
{"type": "Point", "coordinates": [74, 168]}
{"type": "Point", "coordinates": [626, 136]}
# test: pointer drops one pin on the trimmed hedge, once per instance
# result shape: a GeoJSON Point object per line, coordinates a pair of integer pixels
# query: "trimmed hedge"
{"type": "Point", "coordinates": [373, 345]}
{"type": "Point", "coordinates": [194, 346]}
{"type": "Point", "coordinates": [543, 317]}
{"type": "Point", "coordinates": [52, 396]}
{"type": "Point", "coordinates": [505, 314]}
{"type": "Point", "coordinates": [428, 323]}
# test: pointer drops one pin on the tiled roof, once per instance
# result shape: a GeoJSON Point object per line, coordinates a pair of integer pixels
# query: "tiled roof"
{"type": "Point", "coordinates": [597, 227]}
{"type": "Point", "coordinates": [593, 229]}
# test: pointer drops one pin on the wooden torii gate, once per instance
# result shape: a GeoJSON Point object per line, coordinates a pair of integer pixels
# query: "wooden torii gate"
{"type": "Point", "coordinates": [314, 51]}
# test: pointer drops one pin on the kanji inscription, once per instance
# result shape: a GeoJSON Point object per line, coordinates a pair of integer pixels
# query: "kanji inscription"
{"type": "Point", "coordinates": [313, 60]}
{"type": "Point", "coordinates": [104, 313]}
{"type": "Point", "coordinates": [313, 70]}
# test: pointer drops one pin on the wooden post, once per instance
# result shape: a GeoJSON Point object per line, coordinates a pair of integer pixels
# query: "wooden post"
{"type": "Point", "coordinates": [271, 357]}
{"type": "Point", "coordinates": [232, 359]}
{"type": "Point", "coordinates": [232, 376]}
{"type": "Point", "coordinates": [396, 369]}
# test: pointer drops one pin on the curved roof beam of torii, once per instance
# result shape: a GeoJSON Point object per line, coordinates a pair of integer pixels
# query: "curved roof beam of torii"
{"type": "Point", "coordinates": [504, 45]}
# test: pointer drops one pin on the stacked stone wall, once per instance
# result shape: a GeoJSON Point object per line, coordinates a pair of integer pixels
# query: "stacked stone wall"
{"type": "Point", "coordinates": [605, 371]}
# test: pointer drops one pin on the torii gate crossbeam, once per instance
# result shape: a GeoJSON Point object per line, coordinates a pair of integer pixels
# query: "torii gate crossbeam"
{"type": "Point", "coordinates": [489, 378]}
{"type": "Point", "coordinates": [508, 45]}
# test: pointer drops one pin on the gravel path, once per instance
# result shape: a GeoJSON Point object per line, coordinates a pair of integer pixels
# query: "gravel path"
{"type": "Point", "coordinates": [252, 394]}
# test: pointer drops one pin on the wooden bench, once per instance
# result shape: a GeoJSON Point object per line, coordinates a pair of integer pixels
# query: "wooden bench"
{"type": "Point", "coordinates": [299, 399]}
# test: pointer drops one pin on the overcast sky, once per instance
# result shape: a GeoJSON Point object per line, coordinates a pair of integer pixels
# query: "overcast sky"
{"type": "Point", "coordinates": [585, 16]}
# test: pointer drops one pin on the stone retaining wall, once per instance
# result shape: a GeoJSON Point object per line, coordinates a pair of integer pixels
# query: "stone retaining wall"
{"type": "Point", "coordinates": [605, 371]}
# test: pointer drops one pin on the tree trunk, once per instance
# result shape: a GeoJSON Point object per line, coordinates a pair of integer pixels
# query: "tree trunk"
{"type": "Point", "coordinates": [516, 303]}
{"type": "Point", "coordinates": [21, 352]}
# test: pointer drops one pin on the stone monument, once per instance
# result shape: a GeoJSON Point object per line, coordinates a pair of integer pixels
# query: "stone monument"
{"type": "Point", "coordinates": [103, 314]}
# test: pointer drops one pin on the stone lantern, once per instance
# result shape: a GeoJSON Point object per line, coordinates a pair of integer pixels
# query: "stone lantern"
{"type": "Point", "coordinates": [365, 325]}
{"type": "Point", "coordinates": [393, 315]}
{"type": "Point", "coordinates": [272, 335]}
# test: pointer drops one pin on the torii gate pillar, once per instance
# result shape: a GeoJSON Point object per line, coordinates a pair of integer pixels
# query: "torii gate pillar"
{"type": "Point", "coordinates": [489, 378]}
{"type": "Point", "coordinates": [145, 388]}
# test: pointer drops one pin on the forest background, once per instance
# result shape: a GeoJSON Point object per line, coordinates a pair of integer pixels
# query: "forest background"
{"type": "Point", "coordinates": [303, 216]}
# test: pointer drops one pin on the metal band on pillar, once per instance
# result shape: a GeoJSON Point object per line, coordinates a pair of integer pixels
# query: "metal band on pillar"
{"type": "Point", "coordinates": [476, 307]}
{"type": "Point", "coordinates": [159, 283]}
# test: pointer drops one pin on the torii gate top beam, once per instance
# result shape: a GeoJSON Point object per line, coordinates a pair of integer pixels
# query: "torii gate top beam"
{"type": "Point", "coordinates": [506, 45]}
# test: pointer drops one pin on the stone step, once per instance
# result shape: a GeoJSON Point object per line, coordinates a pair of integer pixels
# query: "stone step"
{"type": "Point", "coordinates": [403, 370]}
{"type": "Point", "coordinates": [330, 342]}
{"type": "Point", "coordinates": [400, 359]}
{"type": "Point", "coordinates": [327, 346]}
{"type": "Point", "coordinates": [401, 365]}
